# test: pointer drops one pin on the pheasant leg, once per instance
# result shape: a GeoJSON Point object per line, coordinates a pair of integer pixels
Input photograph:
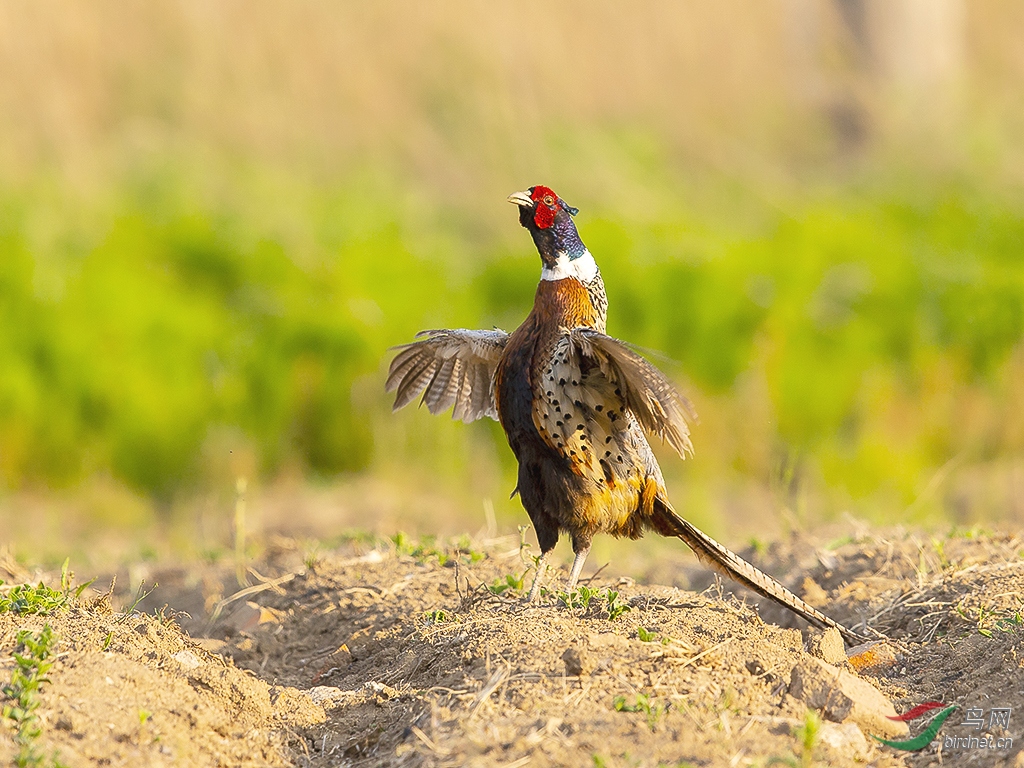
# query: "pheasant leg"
{"type": "Point", "coordinates": [542, 567]}
{"type": "Point", "coordinates": [577, 566]}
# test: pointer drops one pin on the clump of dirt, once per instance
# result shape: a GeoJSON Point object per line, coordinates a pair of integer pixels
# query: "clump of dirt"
{"type": "Point", "coordinates": [415, 654]}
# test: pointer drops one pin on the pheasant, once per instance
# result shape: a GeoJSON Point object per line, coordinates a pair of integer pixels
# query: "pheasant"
{"type": "Point", "coordinates": [575, 405]}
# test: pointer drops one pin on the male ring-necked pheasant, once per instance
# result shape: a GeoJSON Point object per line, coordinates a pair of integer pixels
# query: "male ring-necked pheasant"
{"type": "Point", "coordinates": [575, 404]}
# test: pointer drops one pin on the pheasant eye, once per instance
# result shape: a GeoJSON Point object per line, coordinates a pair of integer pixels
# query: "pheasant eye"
{"type": "Point", "coordinates": [549, 200]}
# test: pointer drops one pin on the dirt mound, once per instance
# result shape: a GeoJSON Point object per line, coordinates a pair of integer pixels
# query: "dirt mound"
{"type": "Point", "coordinates": [424, 662]}
{"type": "Point", "coordinates": [382, 653]}
{"type": "Point", "coordinates": [128, 689]}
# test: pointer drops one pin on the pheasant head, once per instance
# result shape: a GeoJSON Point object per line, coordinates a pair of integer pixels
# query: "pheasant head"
{"type": "Point", "coordinates": [549, 220]}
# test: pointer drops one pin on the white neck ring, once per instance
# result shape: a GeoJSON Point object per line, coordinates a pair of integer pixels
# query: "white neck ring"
{"type": "Point", "coordinates": [583, 268]}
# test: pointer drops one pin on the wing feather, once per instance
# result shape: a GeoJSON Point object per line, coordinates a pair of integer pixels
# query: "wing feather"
{"type": "Point", "coordinates": [416, 380]}
{"type": "Point", "coordinates": [450, 368]}
{"type": "Point", "coordinates": [441, 391]}
{"type": "Point", "coordinates": [595, 391]}
{"type": "Point", "coordinates": [653, 399]}
{"type": "Point", "coordinates": [404, 362]}
{"type": "Point", "coordinates": [463, 406]}
{"type": "Point", "coordinates": [481, 388]}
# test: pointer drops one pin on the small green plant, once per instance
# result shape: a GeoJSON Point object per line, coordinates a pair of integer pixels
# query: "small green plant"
{"type": "Point", "coordinates": [984, 617]}
{"type": "Point", "coordinates": [585, 600]}
{"type": "Point", "coordinates": [211, 555]}
{"type": "Point", "coordinates": [577, 599]}
{"type": "Point", "coordinates": [835, 544]}
{"type": "Point", "coordinates": [427, 549]}
{"type": "Point", "coordinates": [141, 594]}
{"type": "Point", "coordinates": [758, 546]}
{"type": "Point", "coordinates": [974, 532]}
{"type": "Point", "coordinates": [727, 699]}
{"type": "Point", "coordinates": [581, 599]}
{"type": "Point", "coordinates": [145, 732]}
{"type": "Point", "coordinates": [992, 619]}
{"type": "Point", "coordinates": [25, 599]}
{"type": "Point", "coordinates": [511, 582]}
{"type": "Point", "coordinates": [807, 733]}
{"type": "Point", "coordinates": [41, 600]}
{"type": "Point", "coordinates": [464, 547]}
{"type": "Point", "coordinates": [1011, 622]}
{"type": "Point", "coordinates": [940, 551]}
{"type": "Point", "coordinates": [168, 617]}
{"type": "Point", "coordinates": [311, 559]}
{"type": "Point", "coordinates": [524, 545]}
{"type": "Point", "coordinates": [643, 704]}
{"type": "Point", "coordinates": [615, 608]}
{"type": "Point", "coordinates": [646, 635]}
{"type": "Point", "coordinates": [437, 617]}
{"type": "Point", "coordinates": [22, 693]}
{"type": "Point", "coordinates": [403, 544]}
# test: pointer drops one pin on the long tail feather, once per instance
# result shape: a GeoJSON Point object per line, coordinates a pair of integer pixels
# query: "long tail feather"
{"type": "Point", "coordinates": [709, 551]}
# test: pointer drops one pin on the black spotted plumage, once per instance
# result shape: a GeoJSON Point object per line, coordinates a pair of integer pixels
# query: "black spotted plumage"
{"type": "Point", "coordinates": [577, 406]}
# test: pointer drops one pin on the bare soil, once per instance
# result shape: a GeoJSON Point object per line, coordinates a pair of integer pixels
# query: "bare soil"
{"type": "Point", "coordinates": [376, 654]}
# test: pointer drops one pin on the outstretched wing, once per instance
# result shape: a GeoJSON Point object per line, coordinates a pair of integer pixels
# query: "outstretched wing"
{"type": "Point", "coordinates": [645, 391]}
{"type": "Point", "coordinates": [593, 393]}
{"type": "Point", "coordinates": [450, 367]}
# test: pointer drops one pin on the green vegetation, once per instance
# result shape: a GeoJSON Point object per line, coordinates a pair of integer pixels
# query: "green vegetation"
{"type": "Point", "coordinates": [153, 337]}
{"type": "Point", "coordinates": [25, 599]}
{"type": "Point", "coordinates": [437, 617]}
{"type": "Point", "coordinates": [646, 635]}
{"type": "Point", "coordinates": [807, 734]}
{"type": "Point", "coordinates": [653, 712]}
{"type": "Point", "coordinates": [581, 598]}
{"type": "Point", "coordinates": [203, 266]}
{"type": "Point", "coordinates": [22, 693]}
{"type": "Point", "coordinates": [987, 618]}
{"type": "Point", "coordinates": [140, 594]}
{"type": "Point", "coordinates": [427, 549]}
{"type": "Point", "coordinates": [615, 608]}
{"type": "Point", "coordinates": [577, 599]}
{"type": "Point", "coordinates": [512, 582]}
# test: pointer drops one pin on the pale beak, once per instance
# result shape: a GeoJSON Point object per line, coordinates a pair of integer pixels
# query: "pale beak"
{"type": "Point", "coordinates": [522, 199]}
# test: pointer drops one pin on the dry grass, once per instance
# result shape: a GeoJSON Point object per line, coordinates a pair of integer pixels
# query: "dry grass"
{"type": "Point", "coordinates": [469, 93]}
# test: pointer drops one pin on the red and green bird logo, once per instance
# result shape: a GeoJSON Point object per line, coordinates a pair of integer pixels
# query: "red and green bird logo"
{"type": "Point", "coordinates": [925, 737]}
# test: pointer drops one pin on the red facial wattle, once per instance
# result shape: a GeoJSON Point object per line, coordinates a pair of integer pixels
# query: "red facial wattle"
{"type": "Point", "coordinates": [546, 205]}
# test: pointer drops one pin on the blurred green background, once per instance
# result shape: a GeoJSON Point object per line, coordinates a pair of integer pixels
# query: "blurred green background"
{"type": "Point", "coordinates": [216, 217]}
